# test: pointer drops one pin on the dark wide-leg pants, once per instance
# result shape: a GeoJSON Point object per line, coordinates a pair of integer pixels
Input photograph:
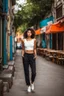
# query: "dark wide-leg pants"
{"type": "Point", "coordinates": [28, 60]}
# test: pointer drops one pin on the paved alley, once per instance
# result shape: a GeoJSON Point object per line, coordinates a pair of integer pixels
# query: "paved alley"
{"type": "Point", "coordinates": [49, 80]}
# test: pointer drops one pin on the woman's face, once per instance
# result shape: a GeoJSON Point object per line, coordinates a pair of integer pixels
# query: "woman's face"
{"type": "Point", "coordinates": [29, 34]}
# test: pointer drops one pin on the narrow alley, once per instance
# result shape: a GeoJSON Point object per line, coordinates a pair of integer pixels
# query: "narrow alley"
{"type": "Point", "coordinates": [49, 80]}
{"type": "Point", "coordinates": [37, 28]}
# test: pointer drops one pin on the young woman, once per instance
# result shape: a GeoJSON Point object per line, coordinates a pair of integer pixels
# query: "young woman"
{"type": "Point", "coordinates": [29, 57]}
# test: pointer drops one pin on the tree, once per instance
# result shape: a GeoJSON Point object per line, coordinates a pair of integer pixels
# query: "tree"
{"type": "Point", "coordinates": [32, 13]}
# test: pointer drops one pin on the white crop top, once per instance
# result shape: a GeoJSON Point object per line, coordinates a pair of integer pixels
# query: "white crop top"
{"type": "Point", "coordinates": [29, 45]}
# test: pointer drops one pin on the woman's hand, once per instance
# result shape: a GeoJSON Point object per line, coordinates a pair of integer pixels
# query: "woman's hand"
{"type": "Point", "coordinates": [35, 56]}
{"type": "Point", "coordinates": [22, 55]}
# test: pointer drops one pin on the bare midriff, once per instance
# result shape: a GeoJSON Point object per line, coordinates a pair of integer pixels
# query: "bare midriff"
{"type": "Point", "coordinates": [29, 51]}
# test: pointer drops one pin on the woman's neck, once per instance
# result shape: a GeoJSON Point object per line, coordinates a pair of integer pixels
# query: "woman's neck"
{"type": "Point", "coordinates": [29, 38]}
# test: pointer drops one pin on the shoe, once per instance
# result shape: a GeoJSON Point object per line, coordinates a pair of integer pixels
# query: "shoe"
{"type": "Point", "coordinates": [32, 86]}
{"type": "Point", "coordinates": [29, 89]}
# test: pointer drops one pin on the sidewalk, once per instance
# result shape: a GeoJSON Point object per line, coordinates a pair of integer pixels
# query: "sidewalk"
{"type": "Point", "coordinates": [49, 80]}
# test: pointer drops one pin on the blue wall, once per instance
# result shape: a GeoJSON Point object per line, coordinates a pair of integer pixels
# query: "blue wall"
{"type": "Point", "coordinates": [11, 51]}
{"type": "Point", "coordinates": [5, 10]}
{"type": "Point", "coordinates": [5, 50]}
{"type": "Point", "coordinates": [5, 6]}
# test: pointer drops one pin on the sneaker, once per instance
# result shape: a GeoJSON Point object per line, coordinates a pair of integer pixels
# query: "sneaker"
{"type": "Point", "coordinates": [32, 86]}
{"type": "Point", "coordinates": [29, 89]}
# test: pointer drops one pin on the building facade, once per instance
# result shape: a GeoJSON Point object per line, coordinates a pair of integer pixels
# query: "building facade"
{"type": "Point", "coordinates": [6, 27]}
{"type": "Point", "coordinates": [58, 14]}
{"type": "Point", "coordinates": [10, 29]}
{"type": "Point", "coordinates": [58, 9]}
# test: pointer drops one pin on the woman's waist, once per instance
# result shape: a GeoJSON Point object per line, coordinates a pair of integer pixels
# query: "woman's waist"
{"type": "Point", "coordinates": [29, 51]}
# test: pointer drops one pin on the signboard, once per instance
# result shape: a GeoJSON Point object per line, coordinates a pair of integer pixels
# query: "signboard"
{"type": "Point", "coordinates": [46, 21]}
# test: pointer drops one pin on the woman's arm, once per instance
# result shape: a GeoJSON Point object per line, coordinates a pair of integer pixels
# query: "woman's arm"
{"type": "Point", "coordinates": [35, 48]}
{"type": "Point", "coordinates": [22, 48]}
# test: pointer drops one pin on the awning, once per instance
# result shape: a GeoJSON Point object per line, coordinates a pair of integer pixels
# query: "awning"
{"type": "Point", "coordinates": [55, 28]}
{"type": "Point", "coordinates": [37, 32]}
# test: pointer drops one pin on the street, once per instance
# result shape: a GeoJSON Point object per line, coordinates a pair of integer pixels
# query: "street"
{"type": "Point", "coordinates": [32, 26]}
{"type": "Point", "coordinates": [49, 79]}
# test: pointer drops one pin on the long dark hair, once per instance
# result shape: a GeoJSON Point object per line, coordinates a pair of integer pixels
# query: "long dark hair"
{"type": "Point", "coordinates": [32, 31]}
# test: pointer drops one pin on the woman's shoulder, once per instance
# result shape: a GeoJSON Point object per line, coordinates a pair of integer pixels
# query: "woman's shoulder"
{"type": "Point", "coordinates": [34, 39]}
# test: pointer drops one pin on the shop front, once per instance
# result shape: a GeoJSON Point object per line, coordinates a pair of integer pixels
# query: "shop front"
{"type": "Point", "coordinates": [46, 39]}
{"type": "Point", "coordinates": [57, 31]}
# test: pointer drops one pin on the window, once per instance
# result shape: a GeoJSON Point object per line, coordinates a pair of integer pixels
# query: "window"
{"type": "Point", "coordinates": [59, 12]}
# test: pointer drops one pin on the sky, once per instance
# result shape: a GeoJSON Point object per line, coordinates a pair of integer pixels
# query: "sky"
{"type": "Point", "coordinates": [19, 2]}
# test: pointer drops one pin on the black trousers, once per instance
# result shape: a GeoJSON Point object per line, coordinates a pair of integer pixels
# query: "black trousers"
{"type": "Point", "coordinates": [28, 60]}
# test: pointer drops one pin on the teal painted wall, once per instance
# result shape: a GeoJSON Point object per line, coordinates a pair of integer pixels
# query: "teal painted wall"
{"type": "Point", "coordinates": [5, 6]}
{"type": "Point", "coordinates": [11, 50]}
{"type": "Point", "coordinates": [4, 50]}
